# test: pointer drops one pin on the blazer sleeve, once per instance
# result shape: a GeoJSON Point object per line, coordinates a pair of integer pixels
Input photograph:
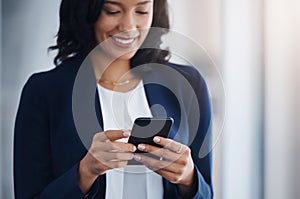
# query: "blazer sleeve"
{"type": "Point", "coordinates": [203, 141]}
{"type": "Point", "coordinates": [32, 152]}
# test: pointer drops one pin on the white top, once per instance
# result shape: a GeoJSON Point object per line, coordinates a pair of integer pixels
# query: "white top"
{"type": "Point", "coordinates": [119, 110]}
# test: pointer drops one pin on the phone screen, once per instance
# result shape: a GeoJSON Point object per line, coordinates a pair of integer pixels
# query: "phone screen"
{"type": "Point", "coordinates": [145, 129]}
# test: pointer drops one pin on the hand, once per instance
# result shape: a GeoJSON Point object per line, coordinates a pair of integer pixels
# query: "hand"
{"type": "Point", "coordinates": [177, 165]}
{"type": "Point", "coordinates": [104, 154]}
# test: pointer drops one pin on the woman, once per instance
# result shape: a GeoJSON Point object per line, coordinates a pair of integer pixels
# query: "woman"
{"type": "Point", "coordinates": [50, 160]}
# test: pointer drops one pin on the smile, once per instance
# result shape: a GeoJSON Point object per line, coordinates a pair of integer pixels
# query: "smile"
{"type": "Point", "coordinates": [123, 42]}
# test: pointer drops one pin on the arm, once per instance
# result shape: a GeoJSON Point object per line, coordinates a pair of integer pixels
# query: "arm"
{"type": "Point", "coordinates": [33, 175]}
{"type": "Point", "coordinates": [32, 153]}
{"type": "Point", "coordinates": [203, 165]}
{"type": "Point", "coordinates": [201, 187]}
{"type": "Point", "coordinates": [186, 174]}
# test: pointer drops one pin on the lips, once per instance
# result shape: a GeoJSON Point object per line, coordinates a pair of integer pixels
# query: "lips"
{"type": "Point", "coordinates": [123, 42]}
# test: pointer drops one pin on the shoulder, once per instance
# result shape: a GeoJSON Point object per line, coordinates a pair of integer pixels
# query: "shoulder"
{"type": "Point", "coordinates": [190, 73]}
{"type": "Point", "coordinates": [56, 77]}
{"type": "Point", "coordinates": [52, 85]}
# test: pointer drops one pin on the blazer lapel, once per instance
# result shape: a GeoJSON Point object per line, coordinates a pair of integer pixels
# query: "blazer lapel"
{"type": "Point", "coordinates": [98, 110]}
{"type": "Point", "coordinates": [163, 103]}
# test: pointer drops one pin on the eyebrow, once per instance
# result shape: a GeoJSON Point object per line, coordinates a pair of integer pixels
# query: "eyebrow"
{"type": "Point", "coordinates": [119, 3]}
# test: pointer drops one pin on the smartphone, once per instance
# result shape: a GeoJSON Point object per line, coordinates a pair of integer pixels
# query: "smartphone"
{"type": "Point", "coordinates": [145, 129]}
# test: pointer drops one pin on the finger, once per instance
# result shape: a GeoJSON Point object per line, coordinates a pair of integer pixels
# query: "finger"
{"type": "Point", "coordinates": [155, 165]}
{"type": "Point", "coordinates": [161, 152]}
{"type": "Point", "coordinates": [149, 162]}
{"type": "Point", "coordinates": [102, 147]}
{"type": "Point", "coordinates": [118, 156]}
{"type": "Point", "coordinates": [99, 137]}
{"type": "Point", "coordinates": [170, 176]}
{"type": "Point", "coordinates": [121, 146]}
{"type": "Point", "coordinates": [113, 135]}
{"type": "Point", "coordinates": [113, 147]}
{"type": "Point", "coordinates": [106, 157]}
{"type": "Point", "coordinates": [170, 144]}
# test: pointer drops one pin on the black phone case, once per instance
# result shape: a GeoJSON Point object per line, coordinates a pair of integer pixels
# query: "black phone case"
{"type": "Point", "coordinates": [145, 129]}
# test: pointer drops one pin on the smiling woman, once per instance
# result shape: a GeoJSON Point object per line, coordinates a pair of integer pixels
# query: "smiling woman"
{"type": "Point", "coordinates": [126, 23]}
{"type": "Point", "coordinates": [78, 18]}
{"type": "Point", "coordinates": [51, 161]}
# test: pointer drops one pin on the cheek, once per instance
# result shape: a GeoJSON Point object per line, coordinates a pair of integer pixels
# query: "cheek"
{"type": "Point", "coordinates": [146, 23]}
{"type": "Point", "coordinates": [102, 29]}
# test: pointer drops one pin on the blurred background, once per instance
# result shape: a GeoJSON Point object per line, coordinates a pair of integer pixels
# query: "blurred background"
{"type": "Point", "coordinates": [256, 46]}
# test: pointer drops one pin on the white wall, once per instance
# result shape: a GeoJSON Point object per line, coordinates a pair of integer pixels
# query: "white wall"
{"type": "Point", "coordinates": [200, 20]}
{"type": "Point", "coordinates": [257, 44]}
{"type": "Point", "coordinates": [242, 65]}
{"type": "Point", "coordinates": [29, 28]}
{"type": "Point", "coordinates": [1, 130]}
{"type": "Point", "coordinates": [282, 130]}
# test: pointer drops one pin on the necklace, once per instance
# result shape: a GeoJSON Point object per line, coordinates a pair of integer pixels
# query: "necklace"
{"type": "Point", "coordinates": [117, 83]}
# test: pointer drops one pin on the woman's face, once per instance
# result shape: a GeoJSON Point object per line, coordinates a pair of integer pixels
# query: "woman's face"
{"type": "Point", "coordinates": [123, 25]}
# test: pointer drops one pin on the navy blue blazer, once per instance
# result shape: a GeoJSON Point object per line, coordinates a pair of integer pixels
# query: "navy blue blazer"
{"type": "Point", "coordinates": [47, 148]}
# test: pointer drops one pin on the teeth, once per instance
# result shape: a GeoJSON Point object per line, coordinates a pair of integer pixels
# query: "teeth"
{"type": "Point", "coordinates": [123, 41]}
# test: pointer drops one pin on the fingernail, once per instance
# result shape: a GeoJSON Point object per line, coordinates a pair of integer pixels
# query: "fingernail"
{"type": "Point", "coordinates": [126, 133]}
{"type": "Point", "coordinates": [134, 148]}
{"type": "Point", "coordinates": [141, 147]}
{"type": "Point", "coordinates": [137, 157]}
{"type": "Point", "coordinates": [156, 139]}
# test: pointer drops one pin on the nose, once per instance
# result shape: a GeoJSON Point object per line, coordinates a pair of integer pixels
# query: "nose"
{"type": "Point", "coordinates": [127, 22]}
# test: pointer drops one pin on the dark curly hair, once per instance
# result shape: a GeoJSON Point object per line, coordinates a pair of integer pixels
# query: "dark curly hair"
{"type": "Point", "coordinates": [76, 34]}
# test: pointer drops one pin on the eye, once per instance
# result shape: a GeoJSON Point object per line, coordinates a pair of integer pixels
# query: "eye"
{"type": "Point", "coordinates": [142, 12]}
{"type": "Point", "coordinates": [111, 12]}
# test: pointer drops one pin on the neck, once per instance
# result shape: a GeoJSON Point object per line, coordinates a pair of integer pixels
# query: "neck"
{"type": "Point", "coordinates": [117, 70]}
